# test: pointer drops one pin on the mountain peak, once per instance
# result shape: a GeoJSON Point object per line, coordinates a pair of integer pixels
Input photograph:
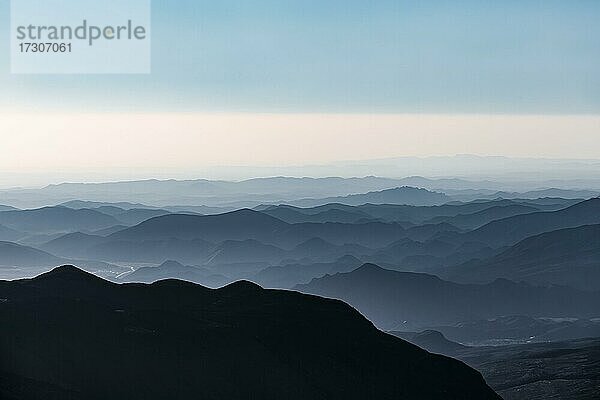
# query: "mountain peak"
{"type": "Point", "coordinates": [67, 273]}
{"type": "Point", "coordinates": [368, 268]}
{"type": "Point", "coordinates": [242, 286]}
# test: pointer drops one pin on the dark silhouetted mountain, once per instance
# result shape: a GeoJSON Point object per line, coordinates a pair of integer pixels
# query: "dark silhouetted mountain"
{"type": "Point", "coordinates": [430, 340]}
{"type": "Point", "coordinates": [563, 257]}
{"type": "Point", "coordinates": [56, 219]}
{"type": "Point", "coordinates": [236, 225]}
{"type": "Point", "coordinates": [511, 230]}
{"type": "Point", "coordinates": [405, 195]}
{"type": "Point", "coordinates": [407, 301]}
{"type": "Point", "coordinates": [475, 220]}
{"type": "Point", "coordinates": [14, 255]}
{"type": "Point", "coordinates": [287, 276]}
{"type": "Point", "coordinates": [174, 270]}
{"type": "Point", "coordinates": [76, 336]}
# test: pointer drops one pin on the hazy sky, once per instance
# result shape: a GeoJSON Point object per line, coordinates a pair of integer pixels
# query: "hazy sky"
{"type": "Point", "coordinates": [181, 145]}
{"type": "Point", "coordinates": [308, 81]}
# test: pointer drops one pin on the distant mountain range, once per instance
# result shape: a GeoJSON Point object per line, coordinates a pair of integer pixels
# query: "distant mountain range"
{"type": "Point", "coordinates": [220, 196]}
{"type": "Point", "coordinates": [407, 301]}
{"type": "Point", "coordinates": [91, 339]}
{"type": "Point", "coordinates": [401, 195]}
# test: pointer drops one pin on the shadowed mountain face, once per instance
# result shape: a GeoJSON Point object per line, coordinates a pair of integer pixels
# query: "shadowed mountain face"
{"type": "Point", "coordinates": [75, 336]}
{"type": "Point", "coordinates": [567, 256]}
{"type": "Point", "coordinates": [403, 300]}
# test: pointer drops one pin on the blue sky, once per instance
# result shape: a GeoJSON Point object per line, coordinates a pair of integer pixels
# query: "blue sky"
{"type": "Point", "coordinates": [510, 57]}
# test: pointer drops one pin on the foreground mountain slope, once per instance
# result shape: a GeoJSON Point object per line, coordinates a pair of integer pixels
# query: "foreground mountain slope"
{"type": "Point", "coordinates": [76, 336]}
{"type": "Point", "coordinates": [406, 301]}
{"type": "Point", "coordinates": [566, 256]}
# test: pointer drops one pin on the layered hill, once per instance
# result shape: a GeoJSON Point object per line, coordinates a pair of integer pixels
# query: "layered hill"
{"type": "Point", "coordinates": [566, 256]}
{"type": "Point", "coordinates": [508, 231]}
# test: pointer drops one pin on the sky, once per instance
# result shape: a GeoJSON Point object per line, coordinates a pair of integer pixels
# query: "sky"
{"type": "Point", "coordinates": [307, 63]}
